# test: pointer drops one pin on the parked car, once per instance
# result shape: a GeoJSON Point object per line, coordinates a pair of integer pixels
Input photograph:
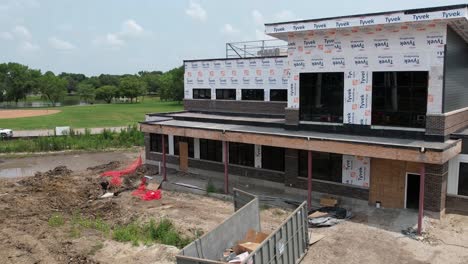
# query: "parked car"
{"type": "Point", "coordinates": [6, 133]}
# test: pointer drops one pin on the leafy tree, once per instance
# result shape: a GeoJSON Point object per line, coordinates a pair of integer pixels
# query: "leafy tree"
{"type": "Point", "coordinates": [172, 85]}
{"type": "Point", "coordinates": [152, 79]}
{"type": "Point", "coordinates": [73, 80]}
{"type": "Point", "coordinates": [52, 87]}
{"type": "Point", "coordinates": [86, 92]}
{"type": "Point", "coordinates": [132, 87]}
{"type": "Point", "coordinates": [107, 79]}
{"type": "Point", "coordinates": [106, 93]}
{"type": "Point", "coordinates": [18, 81]}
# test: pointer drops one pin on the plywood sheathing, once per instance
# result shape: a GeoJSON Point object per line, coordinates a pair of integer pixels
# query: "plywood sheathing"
{"type": "Point", "coordinates": [387, 184]}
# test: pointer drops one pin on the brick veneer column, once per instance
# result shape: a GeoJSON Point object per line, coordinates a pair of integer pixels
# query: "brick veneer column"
{"type": "Point", "coordinates": [291, 116]}
{"type": "Point", "coordinates": [435, 187]}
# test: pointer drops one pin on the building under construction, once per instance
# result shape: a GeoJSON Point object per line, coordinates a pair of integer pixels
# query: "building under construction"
{"type": "Point", "coordinates": [371, 107]}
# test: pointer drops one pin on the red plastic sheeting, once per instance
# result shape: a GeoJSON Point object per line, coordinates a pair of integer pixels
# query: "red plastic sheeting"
{"type": "Point", "coordinates": [130, 169]}
{"type": "Point", "coordinates": [145, 194]}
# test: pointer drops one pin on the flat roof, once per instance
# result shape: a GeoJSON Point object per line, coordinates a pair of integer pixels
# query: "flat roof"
{"type": "Point", "coordinates": [305, 134]}
{"type": "Point", "coordinates": [404, 11]}
{"type": "Point", "coordinates": [456, 15]}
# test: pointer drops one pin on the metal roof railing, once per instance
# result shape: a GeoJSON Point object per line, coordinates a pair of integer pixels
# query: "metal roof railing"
{"type": "Point", "coordinates": [256, 48]}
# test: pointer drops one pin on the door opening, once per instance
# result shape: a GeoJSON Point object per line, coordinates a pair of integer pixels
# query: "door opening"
{"type": "Point", "coordinates": [412, 191]}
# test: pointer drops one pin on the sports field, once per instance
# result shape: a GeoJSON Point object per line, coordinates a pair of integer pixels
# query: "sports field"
{"type": "Point", "coordinates": [97, 115]}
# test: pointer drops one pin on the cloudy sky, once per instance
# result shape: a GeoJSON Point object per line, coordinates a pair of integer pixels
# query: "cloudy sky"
{"type": "Point", "coordinates": [126, 36]}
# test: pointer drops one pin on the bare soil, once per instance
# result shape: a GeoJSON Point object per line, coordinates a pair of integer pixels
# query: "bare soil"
{"type": "Point", "coordinates": [5, 114]}
{"type": "Point", "coordinates": [26, 205]}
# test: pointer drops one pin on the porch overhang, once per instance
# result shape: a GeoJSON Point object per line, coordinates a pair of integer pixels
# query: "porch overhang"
{"type": "Point", "coordinates": [384, 148]}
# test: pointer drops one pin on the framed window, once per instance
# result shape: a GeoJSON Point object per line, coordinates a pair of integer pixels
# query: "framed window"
{"type": "Point", "coordinates": [201, 93]}
{"type": "Point", "coordinates": [399, 99]}
{"type": "Point", "coordinates": [463, 179]}
{"type": "Point", "coordinates": [325, 166]}
{"type": "Point", "coordinates": [253, 94]}
{"type": "Point", "coordinates": [156, 143]}
{"type": "Point", "coordinates": [241, 154]}
{"type": "Point", "coordinates": [211, 150]}
{"type": "Point", "coordinates": [280, 95]}
{"type": "Point", "coordinates": [178, 139]}
{"type": "Point", "coordinates": [273, 158]}
{"type": "Point", "coordinates": [226, 94]}
{"type": "Point", "coordinates": [321, 96]}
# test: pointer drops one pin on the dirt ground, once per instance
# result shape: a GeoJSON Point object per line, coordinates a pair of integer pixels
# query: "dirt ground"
{"type": "Point", "coordinates": [5, 114]}
{"type": "Point", "coordinates": [26, 205]}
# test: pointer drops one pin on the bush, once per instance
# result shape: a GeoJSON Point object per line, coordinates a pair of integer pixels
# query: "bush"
{"type": "Point", "coordinates": [108, 139]}
{"type": "Point", "coordinates": [163, 232]}
{"type": "Point", "coordinates": [56, 220]}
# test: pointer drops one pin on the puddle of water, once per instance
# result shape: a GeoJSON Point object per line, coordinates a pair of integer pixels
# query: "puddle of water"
{"type": "Point", "coordinates": [16, 172]}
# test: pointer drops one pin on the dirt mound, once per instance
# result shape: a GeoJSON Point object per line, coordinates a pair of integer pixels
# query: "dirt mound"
{"type": "Point", "coordinates": [57, 171]}
{"type": "Point", "coordinates": [104, 167]}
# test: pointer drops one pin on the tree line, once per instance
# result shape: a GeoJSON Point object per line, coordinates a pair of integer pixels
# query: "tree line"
{"type": "Point", "coordinates": [17, 81]}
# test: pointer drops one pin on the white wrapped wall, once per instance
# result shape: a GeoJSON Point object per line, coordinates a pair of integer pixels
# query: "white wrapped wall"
{"type": "Point", "coordinates": [359, 51]}
{"type": "Point", "coordinates": [255, 73]}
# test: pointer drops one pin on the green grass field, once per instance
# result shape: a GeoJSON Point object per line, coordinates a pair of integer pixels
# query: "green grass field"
{"type": "Point", "coordinates": [97, 115]}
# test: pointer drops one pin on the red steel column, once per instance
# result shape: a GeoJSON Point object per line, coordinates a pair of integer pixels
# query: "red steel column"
{"type": "Point", "coordinates": [309, 179]}
{"type": "Point", "coordinates": [226, 162]}
{"type": "Point", "coordinates": [164, 158]}
{"type": "Point", "coordinates": [421, 198]}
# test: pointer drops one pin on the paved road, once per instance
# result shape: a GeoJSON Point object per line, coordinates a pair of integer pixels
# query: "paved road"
{"type": "Point", "coordinates": [50, 132]}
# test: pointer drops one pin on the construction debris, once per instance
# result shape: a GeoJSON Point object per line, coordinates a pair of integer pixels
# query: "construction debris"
{"type": "Point", "coordinates": [243, 248]}
{"type": "Point", "coordinates": [328, 216]}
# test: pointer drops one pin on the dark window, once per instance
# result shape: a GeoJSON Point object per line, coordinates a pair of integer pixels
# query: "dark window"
{"type": "Point", "coordinates": [399, 99]}
{"type": "Point", "coordinates": [321, 96]}
{"type": "Point", "coordinates": [463, 179]}
{"type": "Point", "coordinates": [273, 158]}
{"type": "Point", "coordinates": [211, 150]}
{"type": "Point", "coordinates": [201, 93]}
{"type": "Point", "coordinates": [156, 143]}
{"type": "Point", "coordinates": [178, 139]}
{"type": "Point", "coordinates": [241, 154]}
{"type": "Point", "coordinates": [279, 95]}
{"type": "Point", "coordinates": [226, 94]}
{"type": "Point", "coordinates": [253, 94]}
{"type": "Point", "coordinates": [325, 166]}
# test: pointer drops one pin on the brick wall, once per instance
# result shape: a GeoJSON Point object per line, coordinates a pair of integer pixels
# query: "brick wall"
{"type": "Point", "coordinates": [446, 124]}
{"type": "Point", "coordinates": [435, 187]}
{"type": "Point", "coordinates": [233, 106]}
{"type": "Point", "coordinates": [457, 204]}
{"type": "Point", "coordinates": [291, 116]}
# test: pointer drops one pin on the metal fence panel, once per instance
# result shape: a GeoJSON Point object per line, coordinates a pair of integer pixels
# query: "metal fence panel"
{"type": "Point", "coordinates": [288, 244]}
{"type": "Point", "coordinates": [210, 247]}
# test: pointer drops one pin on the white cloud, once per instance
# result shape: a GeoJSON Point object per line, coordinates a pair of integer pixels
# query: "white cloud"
{"type": "Point", "coordinates": [27, 46]}
{"type": "Point", "coordinates": [115, 40]}
{"type": "Point", "coordinates": [258, 18]}
{"type": "Point", "coordinates": [60, 44]}
{"type": "Point", "coordinates": [285, 15]}
{"type": "Point", "coordinates": [6, 36]}
{"type": "Point", "coordinates": [22, 32]}
{"type": "Point", "coordinates": [196, 11]}
{"type": "Point", "coordinates": [228, 29]}
{"type": "Point", "coordinates": [131, 28]}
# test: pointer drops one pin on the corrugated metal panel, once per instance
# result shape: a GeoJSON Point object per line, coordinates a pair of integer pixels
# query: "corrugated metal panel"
{"type": "Point", "coordinates": [456, 72]}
